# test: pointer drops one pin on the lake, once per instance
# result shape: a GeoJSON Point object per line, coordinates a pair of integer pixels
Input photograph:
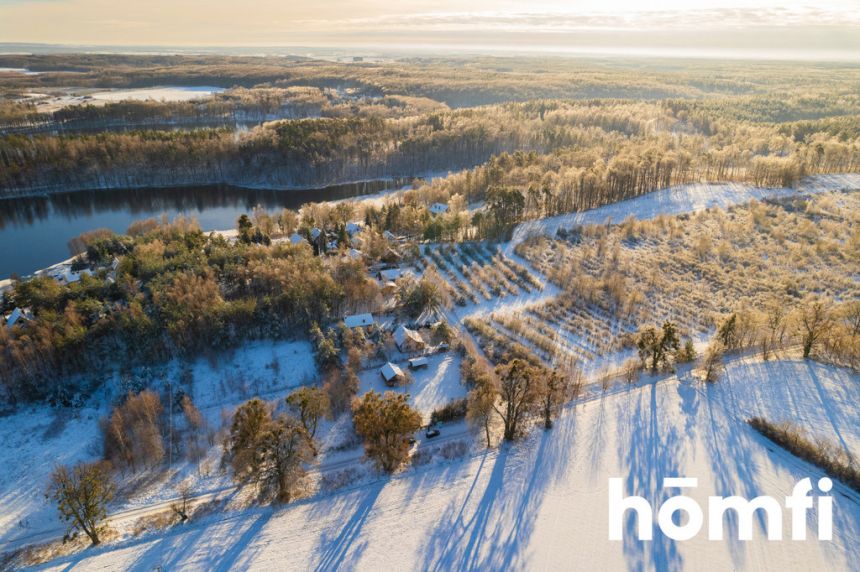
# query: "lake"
{"type": "Point", "coordinates": [163, 93]}
{"type": "Point", "coordinates": [35, 231]}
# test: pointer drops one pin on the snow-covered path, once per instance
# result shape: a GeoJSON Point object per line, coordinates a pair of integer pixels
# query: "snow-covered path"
{"type": "Point", "coordinates": [678, 200]}
{"type": "Point", "coordinates": [542, 504]}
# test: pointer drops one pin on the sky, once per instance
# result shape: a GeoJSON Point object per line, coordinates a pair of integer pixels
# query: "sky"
{"type": "Point", "coordinates": [788, 26]}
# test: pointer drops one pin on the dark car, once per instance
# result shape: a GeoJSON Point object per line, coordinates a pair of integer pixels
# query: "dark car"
{"type": "Point", "coordinates": [411, 440]}
{"type": "Point", "coordinates": [431, 433]}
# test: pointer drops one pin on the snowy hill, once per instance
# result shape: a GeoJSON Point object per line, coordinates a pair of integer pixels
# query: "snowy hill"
{"type": "Point", "coordinates": [543, 504]}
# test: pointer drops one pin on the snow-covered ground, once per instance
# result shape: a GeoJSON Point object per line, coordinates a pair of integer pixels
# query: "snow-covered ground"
{"type": "Point", "coordinates": [432, 387]}
{"type": "Point", "coordinates": [32, 441]}
{"type": "Point", "coordinates": [678, 200]}
{"type": "Point", "coordinates": [542, 504]}
{"type": "Point", "coordinates": [166, 93]}
{"type": "Point", "coordinates": [38, 438]}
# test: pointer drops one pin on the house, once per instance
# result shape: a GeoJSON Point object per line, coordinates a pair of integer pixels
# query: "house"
{"type": "Point", "coordinates": [408, 340]}
{"type": "Point", "coordinates": [391, 256]}
{"type": "Point", "coordinates": [69, 276]}
{"type": "Point", "coordinates": [355, 254]}
{"type": "Point", "coordinates": [388, 235]}
{"type": "Point", "coordinates": [389, 274]}
{"type": "Point", "coordinates": [359, 321]}
{"type": "Point", "coordinates": [438, 208]}
{"type": "Point", "coordinates": [391, 373]}
{"type": "Point", "coordinates": [318, 241]}
{"type": "Point", "coordinates": [296, 239]}
{"type": "Point", "coordinates": [18, 316]}
{"type": "Point", "coordinates": [418, 363]}
{"type": "Point", "coordinates": [353, 228]}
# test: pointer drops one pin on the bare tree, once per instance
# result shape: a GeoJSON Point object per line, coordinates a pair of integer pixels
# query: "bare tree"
{"type": "Point", "coordinates": [180, 505]}
{"type": "Point", "coordinates": [712, 363]}
{"type": "Point", "coordinates": [311, 404]}
{"type": "Point", "coordinates": [82, 494]}
{"type": "Point", "coordinates": [286, 447]}
{"type": "Point", "coordinates": [479, 407]}
{"type": "Point", "coordinates": [519, 392]}
{"type": "Point", "coordinates": [133, 434]}
{"type": "Point", "coordinates": [557, 389]}
{"type": "Point", "coordinates": [269, 452]}
{"type": "Point", "coordinates": [814, 318]}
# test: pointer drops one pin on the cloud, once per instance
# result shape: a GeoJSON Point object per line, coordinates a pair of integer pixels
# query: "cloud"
{"type": "Point", "coordinates": [561, 21]}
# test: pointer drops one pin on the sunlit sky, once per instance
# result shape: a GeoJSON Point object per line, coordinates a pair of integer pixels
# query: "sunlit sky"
{"type": "Point", "coordinates": [822, 26]}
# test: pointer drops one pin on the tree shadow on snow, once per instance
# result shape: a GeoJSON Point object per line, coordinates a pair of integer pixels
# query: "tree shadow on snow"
{"type": "Point", "coordinates": [490, 527]}
{"type": "Point", "coordinates": [341, 549]}
{"type": "Point", "coordinates": [652, 451]}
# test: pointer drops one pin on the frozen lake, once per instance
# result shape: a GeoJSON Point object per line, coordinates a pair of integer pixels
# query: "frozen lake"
{"type": "Point", "coordinates": [165, 93]}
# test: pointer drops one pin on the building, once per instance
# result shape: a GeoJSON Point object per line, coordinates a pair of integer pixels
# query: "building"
{"type": "Point", "coordinates": [438, 208]}
{"type": "Point", "coordinates": [353, 228]}
{"type": "Point", "coordinates": [388, 235]}
{"type": "Point", "coordinates": [418, 363]}
{"type": "Point", "coordinates": [318, 241]}
{"type": "Point", "coordinates": [408, 340]}
{"type": "Point", "coordinates": [296, 239]}
{"type": "Point", "coordinates": [389, 274]}
{"type": "Point", "coordinates": [391, 374]}
{"type": "Point", "coordinates": [18, 316]}
{"type": "Point", "coordinates": [359, 321]}
{"type": "Point", "coordinates": [355, 254]}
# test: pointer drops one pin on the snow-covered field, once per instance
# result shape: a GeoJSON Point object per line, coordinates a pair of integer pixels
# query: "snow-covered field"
{"type": "Point", "coordinates": [542, 504]}
{"type": "Point", "coordinates": [431, 388]}
{"type": "Point", "coordinates": [38, 438]}
{"type": "Point", "coordinates": [679, 200]}
{"type": "Point", "coordinates": [166, 93]}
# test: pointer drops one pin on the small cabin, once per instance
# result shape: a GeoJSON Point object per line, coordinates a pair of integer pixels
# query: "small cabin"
{"type": "Point", "coordinates": [418, 363]}
{"type": "Point", "coordinates": [391, 374]}
{"type": "Point", "coordinates": [18, 317]}
{"type": "Point", "coordinates": [296, 239]}
{"type": "Point", "coordinates": [359, 321]}
{"type": "Point", "coordinates": [408, 340]}
{"type": "Point", "coordinates": [389, 274]}
{"type": "Point", "coordinates": [438, 208]}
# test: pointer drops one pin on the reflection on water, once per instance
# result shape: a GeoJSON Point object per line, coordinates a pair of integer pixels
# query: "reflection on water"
{"type": "Point", "coordinates": [34, 231]}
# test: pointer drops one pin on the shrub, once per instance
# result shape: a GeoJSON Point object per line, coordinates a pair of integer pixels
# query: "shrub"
{"type": "Point", "coordinates": [450, 412]}
{"type": "Point", "coordinates": [826, 456]}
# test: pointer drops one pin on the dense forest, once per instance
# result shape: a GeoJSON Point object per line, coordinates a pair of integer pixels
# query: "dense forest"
{"type": "Point", "coordinates": [512, 138]}
{"type": "Point", "coordinates": [172, 291]}
{"type": "Point", "coordinates": [608, 128]}
{"type": "Point", "coordinates": [630, 147]}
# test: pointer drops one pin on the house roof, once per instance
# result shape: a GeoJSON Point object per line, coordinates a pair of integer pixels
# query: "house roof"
{"type": "Point", "coordinates": [390, 371]}
{"type": "Point", "coordinates": [296, 238]}
{"type": "Point", "coordinates": [438, 208]}
{"type": "Point", "coordinates": [358, 320]}
{"type": "Point", "coordinates": [388, 235]}
{"type": "Point", "coordinates": [391, 274]}
{"type": "Point", "coordinates": [355, 254]}
{"type": "Point", "coordinates": [403, 334]}
{"type": "Point", "coordinates": [419, 361]}
{"type": "Point", "coordinates": [17, 315]}
{"type": "Point", "coordinates": [315, 232]}
{"type": "Point", "coordinates": [353, 227]}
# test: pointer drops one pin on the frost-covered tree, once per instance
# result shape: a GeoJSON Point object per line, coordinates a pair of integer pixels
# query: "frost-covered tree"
{"type": "Point", "coordinates": [82, 494]}
{"type": "Point", "coordinates": [519, 393]}
{"type": "Point", "coordinates": [385, 422]}
{"type": "Point", "coordinates": [311, 404]}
